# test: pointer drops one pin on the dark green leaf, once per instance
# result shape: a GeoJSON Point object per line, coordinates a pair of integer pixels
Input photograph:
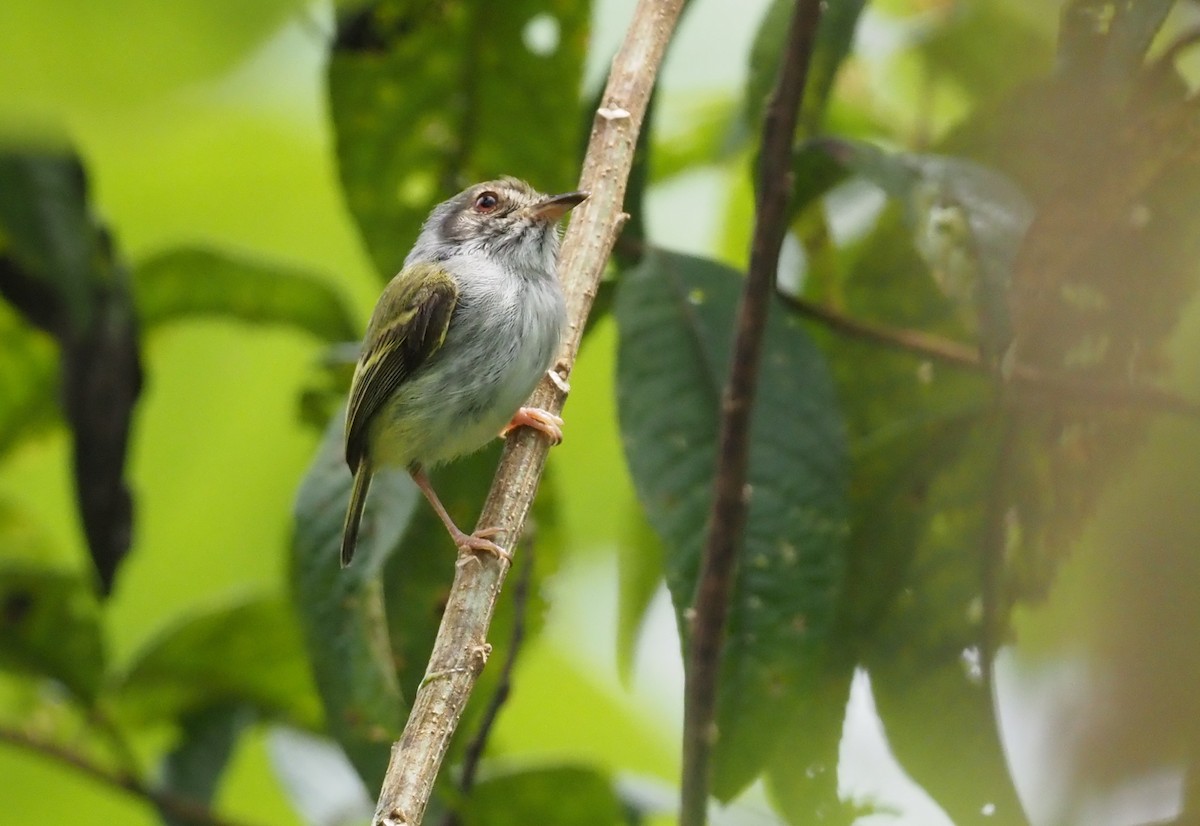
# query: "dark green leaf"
{"type": "Point", "coordinates": [247, 654]}
{"type": "Point", "coordinates": [429, 97]}
{"type": "Point", "coordinates": [50, 627]}
{"type": "Point", "coordinates": [675, 315]}
{"type": "Point", "coordinates": [342, 610]}
{"type": "Point", "coordinates": [562, 795]}
{"type": "Point", "coordinates": [49, 240]}
{"type": "Point", "coordinates": [194, 766]}
{"type": "Point", "coordinates": [192, 281]}
{"type": "Point", "coordinates": [57, 267]}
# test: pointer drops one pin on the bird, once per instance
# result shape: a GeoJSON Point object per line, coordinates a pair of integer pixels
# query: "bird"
{"type": "Point", "coordinates": [457, 342]}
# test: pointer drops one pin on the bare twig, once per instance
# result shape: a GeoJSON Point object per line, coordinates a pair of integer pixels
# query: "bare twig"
{"type": "Point", "coordinates": [461, 649]}
{"type": "Point", "coordinates": [180, 808]}
{"type": "Point", "coordinates": [727, 517]}
{"type": "Point", "coordinates": [1030, 381]}
{"type": "Point", "coordinates": [474, 751]}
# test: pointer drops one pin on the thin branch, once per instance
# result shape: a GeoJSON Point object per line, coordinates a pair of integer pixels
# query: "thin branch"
{"type": "Point", "coordinates": [461, 649]}
{"type": "Point", "coordinates": [180, 808]}
{"type": "Point", "coordinates": [727, 517]}
{"type": "Point", "coordinates": [474, 751]}
{"type": "Point", "coordinates": [1029, 380]}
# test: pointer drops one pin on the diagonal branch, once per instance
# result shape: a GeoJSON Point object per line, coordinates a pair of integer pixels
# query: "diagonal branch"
{"type": "Point", "coordinates": [181, 809]}
{"type": "Point", "coordinates": [1060, 387]}
{"type": "Point", "coordinates": [461, 648]}
{"type": "Point", "coordinates": [727, 517]}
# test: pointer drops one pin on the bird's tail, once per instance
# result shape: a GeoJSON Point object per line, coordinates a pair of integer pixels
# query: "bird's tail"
{"type": "Point", "coordinates": [358, 498]}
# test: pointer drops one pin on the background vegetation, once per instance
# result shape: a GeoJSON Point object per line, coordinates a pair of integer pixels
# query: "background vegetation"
{"type": "Point", "coordinates": [968, 587]}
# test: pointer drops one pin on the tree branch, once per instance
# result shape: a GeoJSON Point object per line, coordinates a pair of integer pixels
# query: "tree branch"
{"type": "Point", "coordinates": [1029, 380]}
{"type": "Point", "coordinates": [180, 808]}
{"type": "Point", "coordinates": [727, 516]}
{"type": "Point", "coordinates": [461, 648]}
{"type": "Point", "coordinates": [474, 751]}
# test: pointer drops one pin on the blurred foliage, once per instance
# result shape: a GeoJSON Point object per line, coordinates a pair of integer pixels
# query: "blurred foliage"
{"type": "Point", "coordinates": [976, 417]}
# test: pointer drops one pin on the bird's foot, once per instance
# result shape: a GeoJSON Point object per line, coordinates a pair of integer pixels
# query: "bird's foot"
{"type": "Point", "coordinates": [478, 542]}
{"type": "Point", "coordinates": [541, 420]}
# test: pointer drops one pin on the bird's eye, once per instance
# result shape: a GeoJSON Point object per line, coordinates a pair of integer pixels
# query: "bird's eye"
{"type": "Point", "coordinates": [486, 202]}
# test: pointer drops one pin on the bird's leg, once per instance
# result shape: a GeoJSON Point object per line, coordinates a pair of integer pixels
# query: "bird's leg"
{"type": "Point", "coordinates": [540, 420]}
{"type": "Point", "coordinates": [465, 541]}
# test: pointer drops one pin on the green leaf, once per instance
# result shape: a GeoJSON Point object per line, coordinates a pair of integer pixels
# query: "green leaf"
{"type": "Point", "coordinates": [835, 36]}
{"type": "Point", "coordinates": [58, 268]}
{"type": "Point", "coordinates": [28, 380]}
{"type": "Point", "coordinates": [562, 795]}
{"type": "Point", "coordinates": [429, 97]}
{"type": "Point", "coordinates": [188, 282]}
{"type": "Point", "coordinates": [50, 627]}
{"type": "Point", "coordinates": [194, 766]}
{"type": "Point", "coordinates": [246, 654]}
{"type": "Point", "coordinates": [802, 776]}
{"type": "Point", "coordinates": [342, 610]}
{"type": "Point", "coordinates": [954, 752]}
{"type": "Point", "coordinates": [968, 224]}
{"type": "Point", "coordinates": [675, 315]}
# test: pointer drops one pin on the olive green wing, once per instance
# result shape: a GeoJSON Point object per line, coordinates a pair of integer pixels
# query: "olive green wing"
{"type": "Point", "coordinates": [408, 326]}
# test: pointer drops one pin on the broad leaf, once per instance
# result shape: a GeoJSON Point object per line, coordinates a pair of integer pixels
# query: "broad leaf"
{"type": "Point", "coordinates": [342, 610]}
{"type": "Point", "coordinates": [675, 315]}
{"type": "Point", "coordinates": [50, 627]}
{"type": "Point", "coordinates": [562, 795]}
{"type": "Point", "coordinates": [188, 282]}
{"type": "Point", "coordinates": [427, 98]}
{"type": "Point", "coordinates": [248, 654]}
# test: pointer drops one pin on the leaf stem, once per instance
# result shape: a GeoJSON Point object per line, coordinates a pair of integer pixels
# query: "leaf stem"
{"type": "Point", "coordinates": [727, 516]}
{"type": "Point", "coordinates": [460, 650]}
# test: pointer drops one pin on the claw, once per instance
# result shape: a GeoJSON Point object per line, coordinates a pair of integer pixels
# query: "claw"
{"type": "Point", "coordinates": [540, 420]}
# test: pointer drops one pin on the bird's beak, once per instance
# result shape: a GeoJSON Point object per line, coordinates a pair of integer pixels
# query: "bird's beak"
{"type": "Point", "coordinates": [556, 206]}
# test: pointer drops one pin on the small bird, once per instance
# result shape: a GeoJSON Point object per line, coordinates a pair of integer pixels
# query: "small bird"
{"type": "Point", "coordinates": [458, 340]}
